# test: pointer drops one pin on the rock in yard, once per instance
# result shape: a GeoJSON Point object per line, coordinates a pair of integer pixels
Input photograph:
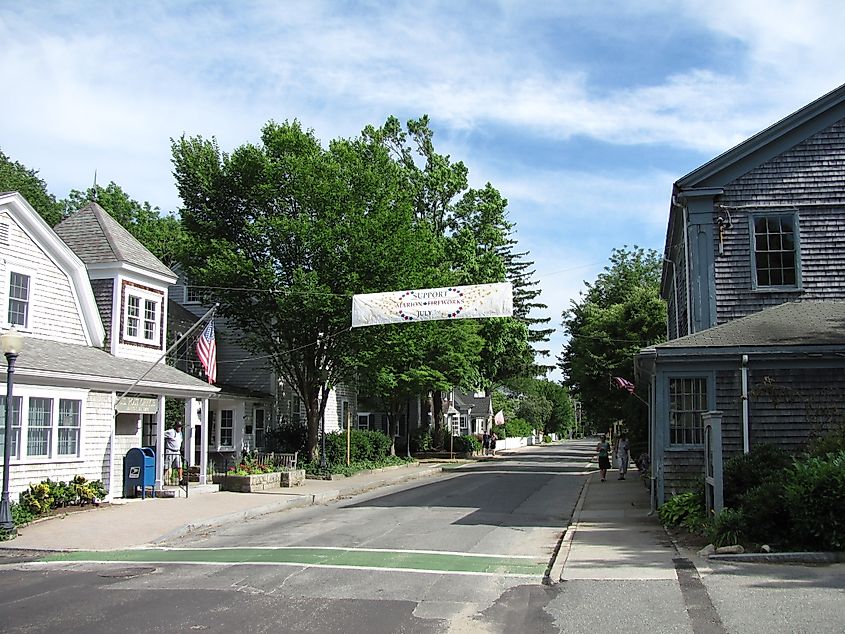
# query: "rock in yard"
{"type": "Point", "coordinates": [708, 550]}
{"type": "Point", "coordinates": [730, 550]}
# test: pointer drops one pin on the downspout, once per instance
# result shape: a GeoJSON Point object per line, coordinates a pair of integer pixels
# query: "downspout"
{"type": "Point", "coordinates": [675, 292]}
{"type": "Point", "coordinates": [746, 440]}
{"type": "Point", "coordinates": [686, 267]}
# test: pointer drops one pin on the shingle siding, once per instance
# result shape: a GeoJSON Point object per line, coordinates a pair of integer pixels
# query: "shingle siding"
{"type": "Point", "coordinates": [104, 296]}
{"type": "Point", "coordinates": [53, 310]}
{"type": "Point", "coordinates": [809, 179]}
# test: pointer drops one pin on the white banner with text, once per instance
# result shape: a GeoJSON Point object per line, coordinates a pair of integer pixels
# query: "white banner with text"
{"type": "Point", "coordinates": [455, 302]}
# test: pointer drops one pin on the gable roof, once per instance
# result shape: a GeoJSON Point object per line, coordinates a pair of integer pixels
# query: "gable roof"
{"type": "Point", "coordinates": [479, 404]}
{"type": "Point", "coordinates": [789, 324]}
{"type": "Point", "coordinates": [31, 222]}
{"type": "Point", "coordinates": [765, 145]}
{"type": "Point", "coordinates": [97, 238]}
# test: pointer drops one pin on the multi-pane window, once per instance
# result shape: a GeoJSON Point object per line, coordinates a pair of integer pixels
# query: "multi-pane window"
{"type": "Point", "coordinates": [193, 295]}
{"type": "Point", "coordinates": [45, 425]}
{"type": "Point", "coordinates": [227, 428]}
{"type": "Point", "coordinates": [16, 424]}
{"type": "Point", "coordinates": [259, 428]}
{"type": "Point", "coordinates": [19, 297]}
{"type": "Point", "coordinates": [464, 425]}
{"type": "Point", "coordinates": [133, 315]}
{"type": "Point", "coordinates": [363, 420]}
{"type": "Point", "coordinates": [40, 427]}
{"type": "Point", "coordinates": [142, 313]}
{"type": "Point", "coordinates": [69, 425]}
{"type": "Point", "coordinates": [775, 261]}
{"type": "Point", "coordinates": [149, 430]}
{"type": "Point", "coordinates": [687, 401]}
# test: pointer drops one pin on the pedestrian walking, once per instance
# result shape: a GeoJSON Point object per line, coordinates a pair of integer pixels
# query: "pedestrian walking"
{"type": "Point", "coordinates": [603, 449]}
{"type": "Point", "coordinates": [623, 455]}
{"type": "Point", "coordinates": [173, 449]}
{"type": "Point", "coordinates": [485, 443]}
{"type": "Point", "coordinates": [493, 439]}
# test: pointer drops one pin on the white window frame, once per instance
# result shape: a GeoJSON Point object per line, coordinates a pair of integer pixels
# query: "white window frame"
{"type": "Point", "coordinates": [26, 392]}
{"type": "Point", "coordinates": [16, 427]}
{"type": "Point", "coordinates": [213, 438]}
{"type": "Point", "coordinates": [144, 297]}
{"type": "Point", "coordinates": [366, 417]}
{"type": "Point", "coordinates": [229, 425]}
{"type": "Point", "coordinates": [12, 268]}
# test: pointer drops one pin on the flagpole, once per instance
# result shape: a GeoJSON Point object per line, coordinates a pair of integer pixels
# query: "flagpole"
{"type": "Point", "coordinates": [168, 351]}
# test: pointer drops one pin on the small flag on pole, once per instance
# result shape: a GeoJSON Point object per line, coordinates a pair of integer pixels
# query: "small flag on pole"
{"type": "Point", "coordinates": [624, 384]}
{"type": "Point", "coordinates": [207, 352]}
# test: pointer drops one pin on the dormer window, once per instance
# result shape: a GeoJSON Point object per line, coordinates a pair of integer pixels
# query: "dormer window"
{"type": "Point", "coordinates": [142, 316]}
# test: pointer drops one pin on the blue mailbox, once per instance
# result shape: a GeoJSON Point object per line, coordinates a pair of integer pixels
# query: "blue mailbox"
{"type": "Point", "coordinates": [139, 470]}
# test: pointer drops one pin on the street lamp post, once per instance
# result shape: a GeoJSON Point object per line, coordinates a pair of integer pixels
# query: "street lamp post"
{"type": "Point", "coordinates": [12, 343]}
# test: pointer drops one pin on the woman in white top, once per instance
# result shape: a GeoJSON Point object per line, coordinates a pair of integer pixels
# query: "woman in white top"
{"type": "Point", "coordinates": [623, 455]}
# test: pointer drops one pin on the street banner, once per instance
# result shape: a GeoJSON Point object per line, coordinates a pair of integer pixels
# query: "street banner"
{"type": "Point", "coordinates": [429, 304]}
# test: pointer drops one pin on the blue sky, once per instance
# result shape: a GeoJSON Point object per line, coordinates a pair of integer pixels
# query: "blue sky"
{"type": "Point", "coordinates": [581, 113]}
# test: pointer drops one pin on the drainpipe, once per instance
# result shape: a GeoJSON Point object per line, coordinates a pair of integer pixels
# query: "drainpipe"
{"type": "Point", "coordinates": [746, 441]}
{"type": "Point", "coordinates": [688, 288]}
{"type": "Point", "coordinates": [675, 292]}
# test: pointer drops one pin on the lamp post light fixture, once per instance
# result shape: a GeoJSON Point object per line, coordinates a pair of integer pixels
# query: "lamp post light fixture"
{"type": "Point", "coordinates": [12, 344]}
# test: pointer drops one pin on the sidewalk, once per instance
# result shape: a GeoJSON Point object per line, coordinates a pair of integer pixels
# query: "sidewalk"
{"type": "Point", "coordinates": [135, 522]}
{"type": "Point", "coordinates": [614, 553]}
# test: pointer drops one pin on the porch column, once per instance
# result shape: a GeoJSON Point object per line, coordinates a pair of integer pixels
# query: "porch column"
{"type": "Point", "coordinates": [160, 444]}
{"type": "Point", "coordinates": [191, 420]}
{"type": "Point", "coordinates": [204, 441]}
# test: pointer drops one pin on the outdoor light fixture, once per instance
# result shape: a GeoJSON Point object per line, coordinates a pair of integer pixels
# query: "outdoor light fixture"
{"type": "Point", "coordinates": [12, 344]}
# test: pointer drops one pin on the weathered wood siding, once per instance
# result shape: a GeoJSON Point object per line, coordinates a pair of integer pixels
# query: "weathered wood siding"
{"type": "Point", "coordinates": [809, 178]}
{"type": "Point", "coordinates": [104, 296]}
{"type": "Point", "coordinates": [790, 406]}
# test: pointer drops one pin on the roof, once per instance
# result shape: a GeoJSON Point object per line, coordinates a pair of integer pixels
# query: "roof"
{"type": "Point", "coordinates": [97, 238]}
{"type": "Point", "coordinates": [786, 133]}
{"type": "Point", "coordinates": [790, 324]}
{"type": "Point", "coordinates": [33, 225]}
{"type": "Point", "coordinates": [65, 364]}
{"type": "Point", "coordinates": [478, 404]}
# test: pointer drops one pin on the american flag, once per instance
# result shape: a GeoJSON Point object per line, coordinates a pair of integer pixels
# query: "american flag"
{"type": "Point", "coordinates": [207, 352]}
{"type": "Point", "coordinates": [624, 384]}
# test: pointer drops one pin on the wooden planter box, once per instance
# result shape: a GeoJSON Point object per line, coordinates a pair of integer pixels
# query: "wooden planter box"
{"type": "Point", "coordinates": [261, 481]}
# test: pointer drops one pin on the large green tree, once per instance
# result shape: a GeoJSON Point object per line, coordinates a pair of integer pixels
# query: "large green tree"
{"type": "Point", "coordinates": [285, 231]}
{"type": "Point", "coordinates": [15, 177]}
{"type": "Point", "coordinates": [619, 314]}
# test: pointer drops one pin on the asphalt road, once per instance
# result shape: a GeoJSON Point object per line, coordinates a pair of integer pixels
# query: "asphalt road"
{"type": "Point", "coordinates": [466, 552]}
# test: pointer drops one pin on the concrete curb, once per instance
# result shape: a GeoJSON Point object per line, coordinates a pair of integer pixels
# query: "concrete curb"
{"type": "Point", "coordinates": [293, 502]}
{"type": "Point", "coordinates": [783, 558]}
{"type": "Point", "coordinates": [565, 543]}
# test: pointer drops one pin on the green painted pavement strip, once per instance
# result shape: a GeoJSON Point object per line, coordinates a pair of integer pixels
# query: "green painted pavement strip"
{"type": "Point", "coordinates": [446, 562]}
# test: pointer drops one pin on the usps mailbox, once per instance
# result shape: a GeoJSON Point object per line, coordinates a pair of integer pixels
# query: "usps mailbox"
{"type": "Point", "coordinates": [139, 470]}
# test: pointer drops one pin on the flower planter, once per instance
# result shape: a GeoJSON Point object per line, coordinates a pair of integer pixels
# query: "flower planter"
{"type": "Point", "coordinates": [249, 483]}
{"type": "Point", "coordinates": [260, 481]}
{"type": "Point", "coordinates": [292, 478]}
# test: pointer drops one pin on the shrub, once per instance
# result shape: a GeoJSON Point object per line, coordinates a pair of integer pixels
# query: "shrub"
{"type": "Point", "coordinates": [764, 509]}
{"type": "Point", "coordinates": [421, 440]}
{"type": "Point", "coordinates": [364, 445]}
{"type": "Point", "coordinates": [40, 498]}
{"type": "Point", "coordinates": [831, 442]}
{"type": "Point", "coordinates": [547, 438]}
{"type": "Point", "coordinates": [728, 528]}
{"type": "Point", "coordinates": [466, 444]}
{"type": "Point", "coordinates": [815, 498]}
{"type": "Point", "coordinates": [685, 510]}
{"type": "Point", "coordinates": [518, 428]}
{"type": "Point", "coordinates": [289, 437]}
{"type": "Point", "coordinates": [744, 472]}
